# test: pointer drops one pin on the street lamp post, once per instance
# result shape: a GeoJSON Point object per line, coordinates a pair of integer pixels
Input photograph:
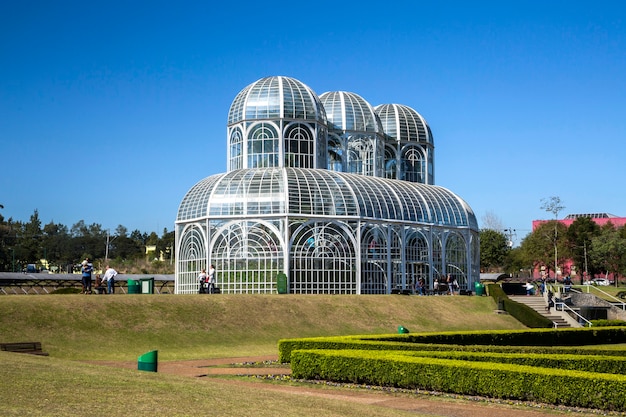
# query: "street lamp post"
{"type": "Point", "coordinates": [106, 252]}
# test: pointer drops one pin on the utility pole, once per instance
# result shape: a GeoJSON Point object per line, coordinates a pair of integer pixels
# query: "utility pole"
{"type": "Point", "coordinates": [511, 233]}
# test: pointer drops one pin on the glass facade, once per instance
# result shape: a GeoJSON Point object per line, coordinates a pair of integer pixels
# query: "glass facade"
{"type": "Point", "coordinates": [357, 143]}
{"type": "Point", "coordinates": [409, 141]}
{"type": "Point", "coordinates": [330, 191]}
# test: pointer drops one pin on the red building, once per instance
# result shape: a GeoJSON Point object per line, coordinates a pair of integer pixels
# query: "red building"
{"type": "Point", "coordinates": [598, 218]}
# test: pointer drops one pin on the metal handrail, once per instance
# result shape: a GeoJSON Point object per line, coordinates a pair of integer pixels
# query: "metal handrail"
{"type": "Point", "coordinates": [571, 310]}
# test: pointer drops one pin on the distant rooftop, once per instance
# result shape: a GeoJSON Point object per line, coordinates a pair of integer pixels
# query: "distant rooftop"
{"type": "Point", "coordinates": [590, 216]}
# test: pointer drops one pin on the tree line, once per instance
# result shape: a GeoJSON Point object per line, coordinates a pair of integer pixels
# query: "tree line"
{"type": "Point", "coordinates": [61, 249]}
{"type": "Point", "coordinates": [591, 249]}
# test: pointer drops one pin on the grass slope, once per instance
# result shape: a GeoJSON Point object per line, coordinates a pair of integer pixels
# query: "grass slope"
{"type": "Point", "coordinates": [122, 327]}
{"type": "Point", "coordinates": [47, 386]}
{"type": "Point", "coordinates": [73, 328]}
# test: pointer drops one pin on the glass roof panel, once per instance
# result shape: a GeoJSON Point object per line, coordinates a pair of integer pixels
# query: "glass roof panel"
{"type": "Point", "coordinates": [318, 192]}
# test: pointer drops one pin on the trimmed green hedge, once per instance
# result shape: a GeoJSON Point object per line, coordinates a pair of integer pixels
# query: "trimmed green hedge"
{"type": "Point", "coordinates": [532, 340]}
{"type": "Point", "coordinates": [577, 362]}
{"type": "Point", "coordinates": [508, 381]}
{"type": "Point", "coordinates": [605, 323]}
{"type": "Point", "coordinates": [522, 313]}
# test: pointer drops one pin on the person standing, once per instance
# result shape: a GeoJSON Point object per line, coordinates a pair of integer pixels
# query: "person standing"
{"type": "Point", "coordinates": [420, 286]}
{"type": "Point", "coordinates": [550, 301]}
{"type": "Point", "coordinates": [567, 284]}
{"type": "Point", "coordinates": [211, 280]}
{"type": "Point", "coordinates": [109, 278]}
{"type": "Point", "coordinates": [530, 288]}
{"type": "Point", "coordinates": [450, 283]}
{"type": "Point", "coordinates": [86, 270]}
{"type": "Point", "coordinates": [202, 278]}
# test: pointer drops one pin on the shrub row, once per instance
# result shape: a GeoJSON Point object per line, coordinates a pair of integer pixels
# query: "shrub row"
{"type": "Point", "coordinates": [586, 362]}
{"type": "Point", "coordinates": [533, 341]}
{"type": "Point", "coordinates": [521, 312]}
{"type": "Point", "coordinates": [507, 381]}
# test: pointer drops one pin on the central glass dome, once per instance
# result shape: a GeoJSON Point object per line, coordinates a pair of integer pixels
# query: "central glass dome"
{"type": "Point", "coordinates": [276, 98]}
{"type": "Point", "coordinates": [277, 122]}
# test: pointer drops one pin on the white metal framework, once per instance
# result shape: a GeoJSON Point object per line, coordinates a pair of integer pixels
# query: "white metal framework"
{"type": "Point", "coordinates": [330, 194]}
{"type": "Point", "coordinates": [409, 153]}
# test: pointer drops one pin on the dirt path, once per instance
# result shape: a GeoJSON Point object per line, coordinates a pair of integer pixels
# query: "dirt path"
{"type": "Point", "coordinates": [434, 405]}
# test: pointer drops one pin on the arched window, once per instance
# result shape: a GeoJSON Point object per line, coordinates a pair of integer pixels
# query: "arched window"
{"type": "Point", "coordinates": [412, 165]}
{"type": "Point", "coordinates": [391, 163]}
{"type": "Point", "coordinates": [299, 146]}
{"type": "Point", "coordinates": [322, 259]}
{"type": "Point", "coordinates": [456, 258]}
{"type": "Point", "coordinates": [248, 256]}
{"type": "Point", "coordinates": [263, 147]}
{"type": "Point", "coordinates": [236, 149]}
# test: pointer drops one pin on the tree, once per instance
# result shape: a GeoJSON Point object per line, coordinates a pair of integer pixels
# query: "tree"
{"type": "Point", "coordinates": [540, 246]}
{"type": "Point", "coordinates": [553, 205]}
{"type": "Point", "coordinates": [493, 249]}
{"type": "Point", "coordinates": [608, 249]}
{"type": "Point", "coordinates": [30, 242]}
{"type": "Point", "coordinates": [517, 264]}
{"type": "Point", "coordinates": [125, 247]}
{"type": "Point", "coordinates": [166, 243]}
{"type": "Point", "coordinates": [490, 221]}
{"type": "Point", "coordinates": [56, 246]}
{"type": "Point", "coordinates": [88, 241]}
{"type": "Point", "coordinates": [579, 236]}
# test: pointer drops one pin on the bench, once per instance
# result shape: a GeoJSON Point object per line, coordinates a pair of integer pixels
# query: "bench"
{"type": "Point", "coordinates": [33, 348]}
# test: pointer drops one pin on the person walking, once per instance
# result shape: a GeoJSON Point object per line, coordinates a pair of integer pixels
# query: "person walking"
{"type": "Point", "coordinates": [109, 278]}
{"type": "Point", "coordinates": [86, 270]}
{"type": "Point", "coordinates": [550, 301]}
{"type": "Point", "coordinates": [211, 280]}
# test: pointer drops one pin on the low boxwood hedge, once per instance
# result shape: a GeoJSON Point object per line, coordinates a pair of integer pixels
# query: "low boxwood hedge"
{"type": "Point", "coordinates": [508, 381]}
{"type": "Point", "coordinates": [532, 340]}
{"type": "Point", "coordinates": [579, 362]}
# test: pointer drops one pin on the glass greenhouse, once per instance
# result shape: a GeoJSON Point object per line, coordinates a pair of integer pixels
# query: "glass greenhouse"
{"type": "Point", "coordinates": [323, 195]}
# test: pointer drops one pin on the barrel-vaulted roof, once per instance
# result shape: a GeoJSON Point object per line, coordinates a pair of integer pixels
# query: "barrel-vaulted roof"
{"type": "Point", "coordinates": [322, 193]}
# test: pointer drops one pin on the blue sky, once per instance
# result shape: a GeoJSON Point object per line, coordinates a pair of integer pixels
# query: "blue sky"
{"type": "Point", "coordinates": [111, 111]}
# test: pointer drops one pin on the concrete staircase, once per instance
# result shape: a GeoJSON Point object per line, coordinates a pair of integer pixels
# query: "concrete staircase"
{"type": "Point", "coordinates": [538, 304]}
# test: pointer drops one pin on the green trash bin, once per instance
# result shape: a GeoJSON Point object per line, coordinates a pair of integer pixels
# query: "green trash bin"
{"type": "Point", "coordinates": [282, 283]}
{"type": "Point", "coordinates": [133, 286]}
{"type": "Point", "coordinates": [147, 285]}
{"type": "Point", "coordinates": [148, 361]}
{"type": "Point", "coordinates": [479, 288]}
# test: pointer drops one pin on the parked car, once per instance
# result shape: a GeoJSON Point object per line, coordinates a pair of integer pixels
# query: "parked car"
{"type": "Point", "coordinates": [600, 281]}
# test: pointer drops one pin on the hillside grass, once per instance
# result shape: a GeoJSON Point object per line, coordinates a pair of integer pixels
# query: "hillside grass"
{"type": "Point", "coordinates": [78, 328]}
{"type": "Point", "coordinates": [121, 327]}
{"type": "Point", "coordinates": [47, 386]}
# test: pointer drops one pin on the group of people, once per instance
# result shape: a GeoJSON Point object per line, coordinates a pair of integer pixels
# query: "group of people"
{"type": "Point", "coordinates": [207, 281]}
{"type": "Point", "coordinates": [108, 278]}
{"type": "Point", "coordinates": [452, 286]}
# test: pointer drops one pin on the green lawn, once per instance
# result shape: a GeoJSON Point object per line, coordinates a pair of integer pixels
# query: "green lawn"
{"type": "Point", "coordinates": [121, 327]}
{"type": "Point", "coordinates": [74, 328]}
